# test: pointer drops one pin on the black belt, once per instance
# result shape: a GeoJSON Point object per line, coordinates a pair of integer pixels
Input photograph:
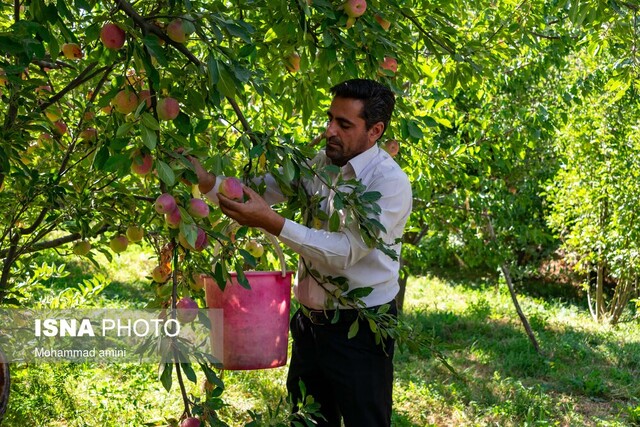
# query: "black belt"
{"type": "Point", "coordinates": [325, 317]}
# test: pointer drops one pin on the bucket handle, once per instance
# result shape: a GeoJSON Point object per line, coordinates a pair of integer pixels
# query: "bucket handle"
{"type": "Point", "coordinates": [278, 249]}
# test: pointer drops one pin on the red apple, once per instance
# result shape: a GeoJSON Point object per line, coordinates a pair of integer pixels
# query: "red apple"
{"type": "Point", "coordinates": [190, 422]}
{"type": "Point", "coordinates": [173, 218]}
{"type": "Point", "coordinates": [383, 22]}
{"type": "Point", "coordinates": [390, 64]}
{"type": "Point", "coordinates": [255, 248]}
{"type": "Point", "coordinates": [89, 134]}
{"type": "Point", "coordinates": [81, 248]}
{"type": "Point", "coordinates": [60, 127]}
{"type": "Point", "coordinates": [293, 62]}
{"type": "Point", "coordinates": [165, 203]}
{"type": "Point", "coordinates": [176, 31]}
{"type": "Point", "coordinates": [72, 51]}
{"type": "Point", "coordinates": [187, 311]}
{"type": "Point", "coordinates": [201, 241]}
{"type": "Point", "coordinates": [232, 188]}
{"type": "Point", "coordinates": [168, 109]}
{"type": "Point", "coordinates": [112, 36]}
{"type": "Point", "coordinates": [119, 243]}
{"type": "Point", "coordinates": [145, 95]}
{"type": "Point", "coordinates": [160, 274]}
{"type": "Point", "coordinates": [125, 101]}
{"type": "Point", "coordinates": [355, 8]}
{"type": "Point", "coordinates": [392, 147]}
{"type": "Point", "coordinates": [198, 208]}
{"type": "Point", "coordinates": [135, 233]}
{"type": "Point", "coordinates": [141, 163]}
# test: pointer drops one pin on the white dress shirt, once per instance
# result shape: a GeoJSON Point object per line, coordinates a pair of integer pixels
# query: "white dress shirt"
{"type": "Point", "coordinates": [344, 253]}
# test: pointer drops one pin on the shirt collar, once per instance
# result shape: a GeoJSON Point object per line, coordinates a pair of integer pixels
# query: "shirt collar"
{"type": "Point", "coordinates": [359, 162]}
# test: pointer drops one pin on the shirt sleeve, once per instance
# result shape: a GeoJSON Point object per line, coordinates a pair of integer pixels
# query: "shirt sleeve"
{"type": "Point", "coordinates": [344, 248]}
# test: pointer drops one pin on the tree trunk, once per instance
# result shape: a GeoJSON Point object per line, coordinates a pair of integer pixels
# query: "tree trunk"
{"type": "Point", "coordinates": [5, 383]}
{"type": "Point", "coordinates": [600, 308]}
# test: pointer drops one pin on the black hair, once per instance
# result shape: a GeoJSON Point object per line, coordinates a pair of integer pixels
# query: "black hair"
{"type": "Point", "coordinates": [377, 98]}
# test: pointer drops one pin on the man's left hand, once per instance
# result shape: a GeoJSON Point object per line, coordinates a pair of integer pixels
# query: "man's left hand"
{"type": "Point", "coordinates": [254, 212]}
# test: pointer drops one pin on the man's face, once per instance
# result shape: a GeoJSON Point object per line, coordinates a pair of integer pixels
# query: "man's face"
{"type": "Point", "coordinates": [347, 134]}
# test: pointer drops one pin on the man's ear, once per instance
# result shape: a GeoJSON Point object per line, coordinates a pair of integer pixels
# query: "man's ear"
{"type": "Point", "coordinates": [375, 132]}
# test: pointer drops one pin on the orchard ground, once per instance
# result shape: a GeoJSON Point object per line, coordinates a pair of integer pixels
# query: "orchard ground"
{"type": "Point", "coordinates": [587, 376]}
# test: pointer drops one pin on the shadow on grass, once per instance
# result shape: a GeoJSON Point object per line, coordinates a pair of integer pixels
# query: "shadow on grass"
{"type": "Point", "coordinates": [503, 375]}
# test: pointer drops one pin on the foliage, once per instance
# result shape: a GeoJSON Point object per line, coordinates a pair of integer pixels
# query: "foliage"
{"type": "Point", "coordinates": [483, 91]}
{"type": "Point", "coordinates": [594, 196]}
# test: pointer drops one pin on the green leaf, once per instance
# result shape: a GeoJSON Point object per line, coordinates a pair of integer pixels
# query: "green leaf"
{"type": "Point", "coordinates": [226, 85]}
{"type": "Point", "coordinates": [123, 129]}
{"type": "Point", "coordinates": [334, 222]}
{"type": "Point", "coordinates": [211, 376]}
{"type": "Point", "coordinates": [166, 370]}
{"type": "Point", "coordinates": [189, 372]}
{"type": "Point", "coordinates": [353, 329]}
{"type": "Point", "coordinates": [359, 292]}
{"type": "Point", "coordinates": [149, 121]}
{"type": "Point", "coordinates": [165, 173]}
{"type": "Point", "coordinates": [370, 196]}
{"type": "Point", "coordinates": [149, 137]}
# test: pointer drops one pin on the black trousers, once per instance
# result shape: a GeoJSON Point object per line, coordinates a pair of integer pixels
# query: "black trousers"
{"type": "Point", "coordinates": [350, 378]}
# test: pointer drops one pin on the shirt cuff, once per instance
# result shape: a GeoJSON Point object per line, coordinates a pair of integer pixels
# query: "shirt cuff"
{"type": "Point", "coordinates": [212, 195]}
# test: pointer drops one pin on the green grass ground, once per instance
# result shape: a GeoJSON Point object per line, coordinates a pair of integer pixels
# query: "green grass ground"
{"type": "Point", "coordinates": [587, 374]}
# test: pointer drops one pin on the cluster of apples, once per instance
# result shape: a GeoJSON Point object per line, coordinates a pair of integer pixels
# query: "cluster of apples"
{"type": "Point", "coordinates": [166, 205]}
{"type": "Point", "coordinates": [355, 9]}
{"type": "Point", "coordinates": [118, 243]}
{"type": "Point", "coordinates": [126, 101]}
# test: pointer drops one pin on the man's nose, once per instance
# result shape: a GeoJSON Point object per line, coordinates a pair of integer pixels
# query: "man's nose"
{"type": "Point", "coordinates": [331, 129]}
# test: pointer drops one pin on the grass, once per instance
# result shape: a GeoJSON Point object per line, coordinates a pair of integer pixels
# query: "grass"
{"type": "Point", "coordinates": [587, 374]}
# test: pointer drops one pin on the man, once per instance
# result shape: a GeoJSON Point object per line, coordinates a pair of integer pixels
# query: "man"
{"type": "Point", "coordinates": [351, 378]}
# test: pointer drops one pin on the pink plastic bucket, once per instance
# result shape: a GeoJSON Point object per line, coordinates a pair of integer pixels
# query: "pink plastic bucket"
{"type": "Point", "coordinates": [252, 329]}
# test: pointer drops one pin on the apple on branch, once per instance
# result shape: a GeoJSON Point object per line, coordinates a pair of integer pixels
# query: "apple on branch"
{"type": "Point", "coordinates": [173, 218]}
{"type": "Point", "coordinates": [168, 108]}
{"type": "Point", "coordinates": [293, 62]}
{"type": "Point", "coordinates": [190, 422]}
{"type": "Point", "coordinates": [255, 248]}
{"type": "Point", "coordinates": [198, 208]}
{"type": "Point", "coordinates": [135, 233]}
{"type": "Point", "coordinates": [141, 162]}
{"type": "Point", "coordinates": [383, 22]}
{"type": "Point", "coordinates": [187, 310]}
{"type": "Point", "coordinates": [112, 36]}
{"type": "Point", "coordinates": [72, 51]}
{"type": "Point", "coordinates": [165, 203]}
{"type": "Point", "coordinates": [119, 243]}
{"type": "Point", "coordinates": [389, 64]}
{"type": "Point", "coordinates": [81, 248]}
{"type": "Point", "coordinates": [160, 274]}
{"type": "Point", "coordinates": [125, 101]}
{"type": "Point", "coordinates": [354, 9]}
{"type": "Point", "coordinates": [89, 134]}
{"type": "Point", "coordinates": [179, 30]}
{"type": "Point", "coordinates": [392, 147]}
